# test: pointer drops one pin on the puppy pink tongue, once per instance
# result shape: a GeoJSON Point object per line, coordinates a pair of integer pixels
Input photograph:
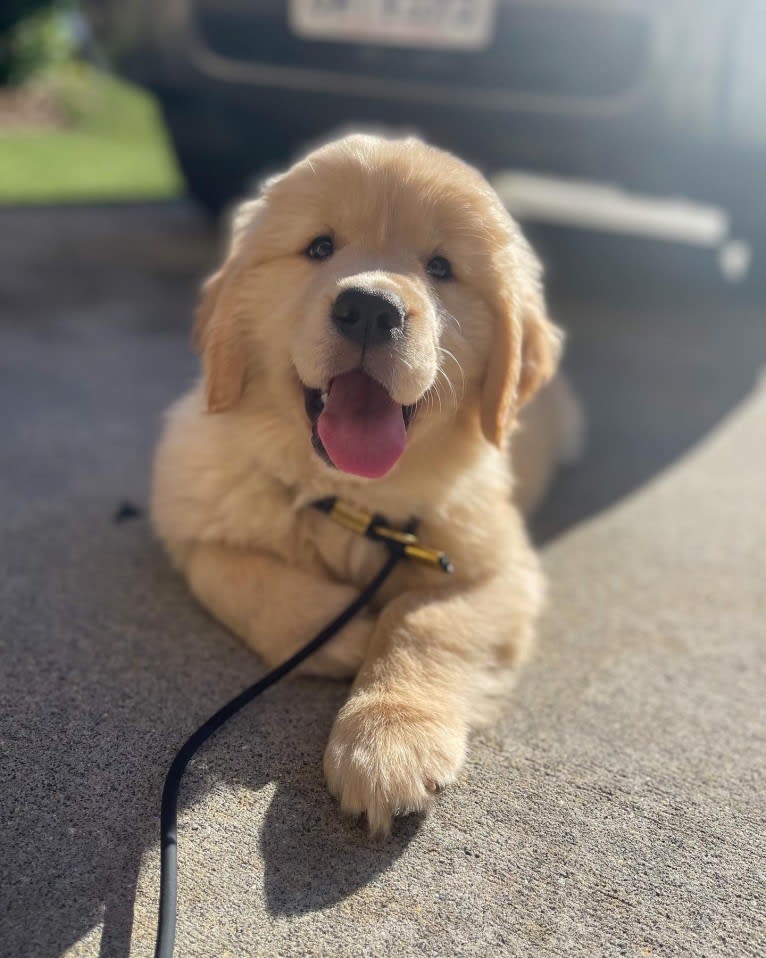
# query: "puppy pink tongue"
{"type": "Point", "coordinates": [361, 427]}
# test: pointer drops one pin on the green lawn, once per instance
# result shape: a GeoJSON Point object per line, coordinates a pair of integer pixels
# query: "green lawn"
{"type": "Point", "coordinates": [114, 147]}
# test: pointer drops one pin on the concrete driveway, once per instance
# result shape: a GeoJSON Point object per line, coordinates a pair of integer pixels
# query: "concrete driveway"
{"type": "Point", "coordinates": [617, 809]}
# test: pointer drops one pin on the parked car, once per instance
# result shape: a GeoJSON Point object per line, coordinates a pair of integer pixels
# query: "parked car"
{"type": "Point", "coordinates": [664, 96]}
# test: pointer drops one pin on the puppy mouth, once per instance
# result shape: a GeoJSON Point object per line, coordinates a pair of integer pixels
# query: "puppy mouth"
{"type": "Point", "coordinates": [356, 425]}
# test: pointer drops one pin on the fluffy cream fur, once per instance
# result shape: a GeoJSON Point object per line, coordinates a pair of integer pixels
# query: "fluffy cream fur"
{"type": "Point", "coordinates": [235, 467]}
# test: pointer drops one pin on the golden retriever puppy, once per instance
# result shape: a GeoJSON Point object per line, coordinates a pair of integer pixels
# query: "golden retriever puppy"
{"type": "Point", "coordinates": [375, 329]}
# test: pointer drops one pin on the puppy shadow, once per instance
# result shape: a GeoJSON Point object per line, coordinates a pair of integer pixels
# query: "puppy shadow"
{"type": "Point", "coordinates": [114, 666]}
{"type": "Point", "coordinates": [313, 855]}
{"type": "Point", "coordinates": [327, 861]}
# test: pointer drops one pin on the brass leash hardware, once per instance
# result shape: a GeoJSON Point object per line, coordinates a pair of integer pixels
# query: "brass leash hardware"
{"type": "Point", "coordinates": [354, 519]}
{"type": "Point", "coordinates": [376, 527]}
{"type": "Point", "coordinates": [413, 549]}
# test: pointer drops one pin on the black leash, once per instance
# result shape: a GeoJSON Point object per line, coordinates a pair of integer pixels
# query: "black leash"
{"type": "Point", "coordinates": [401, 544]}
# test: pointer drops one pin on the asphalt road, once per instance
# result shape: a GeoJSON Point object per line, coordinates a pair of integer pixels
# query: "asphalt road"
{"type": "Point", "coordinates": [95, 308]}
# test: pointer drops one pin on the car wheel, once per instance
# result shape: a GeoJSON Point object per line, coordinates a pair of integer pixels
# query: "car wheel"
{"type": "Point", "coordinates": [218, 162]}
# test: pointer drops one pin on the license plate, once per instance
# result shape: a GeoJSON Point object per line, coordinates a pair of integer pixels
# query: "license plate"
{"type": "Point", "coordinates": [455, 24]}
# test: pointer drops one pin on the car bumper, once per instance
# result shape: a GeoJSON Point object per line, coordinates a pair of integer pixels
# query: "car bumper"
{"type": "Point", "coordinates": [656, 104]}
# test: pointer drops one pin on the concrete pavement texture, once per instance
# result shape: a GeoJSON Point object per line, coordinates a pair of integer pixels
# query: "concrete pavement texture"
{"type": "Point", "coordinates": [616, 809]}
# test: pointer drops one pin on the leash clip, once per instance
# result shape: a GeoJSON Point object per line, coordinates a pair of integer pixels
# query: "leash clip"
{"type": "Point", "coordinates": [411, 547]}
{"type": "Point", "coordinates": [376, 527]}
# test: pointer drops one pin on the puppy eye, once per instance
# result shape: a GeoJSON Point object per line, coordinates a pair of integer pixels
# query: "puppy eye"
{"type": "Point", "coordinates": [320, 248]}
{"type": "Point", "coordinates": [439, 267]}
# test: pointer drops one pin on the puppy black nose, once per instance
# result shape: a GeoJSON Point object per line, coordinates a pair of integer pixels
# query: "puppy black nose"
{"type": "Point", "coordinates": [368, 317]}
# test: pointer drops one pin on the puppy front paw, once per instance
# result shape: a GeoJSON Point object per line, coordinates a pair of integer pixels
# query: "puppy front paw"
{"type": "Point", "coordinates": [387, 756]}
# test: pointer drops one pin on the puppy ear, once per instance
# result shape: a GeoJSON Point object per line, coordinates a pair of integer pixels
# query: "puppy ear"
{"type": "Point", "coordinates": [525, 348]}
{"type": "Point", "coordinates": [498, 393]}
{"type": "Point", "coordinates": [217, 336]}
{"type": "Point", "coordinates": [218, 333]}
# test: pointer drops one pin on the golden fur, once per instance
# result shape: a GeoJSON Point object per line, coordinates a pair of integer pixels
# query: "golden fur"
{"type": "Point", "coordinates": [235, 468]}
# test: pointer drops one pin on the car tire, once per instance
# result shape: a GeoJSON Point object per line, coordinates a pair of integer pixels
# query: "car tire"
{"type": "Point", "coordinates": [218, 162]}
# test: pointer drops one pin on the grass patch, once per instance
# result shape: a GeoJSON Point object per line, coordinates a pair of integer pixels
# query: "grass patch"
{"type": "Point", "coordinates": [112, 146]}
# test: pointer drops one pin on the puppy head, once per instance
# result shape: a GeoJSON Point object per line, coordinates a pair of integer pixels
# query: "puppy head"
{"type": "Point", "coordinates": [376, 290]}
